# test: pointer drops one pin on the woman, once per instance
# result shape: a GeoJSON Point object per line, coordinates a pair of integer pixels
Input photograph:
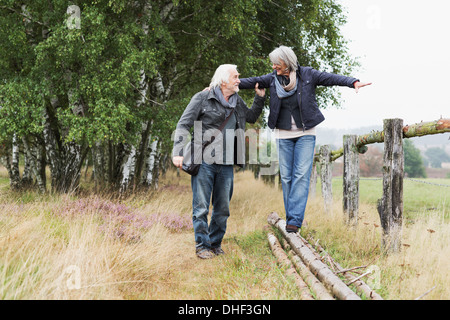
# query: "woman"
{"type": "Point", "coordinates": [295, 114]}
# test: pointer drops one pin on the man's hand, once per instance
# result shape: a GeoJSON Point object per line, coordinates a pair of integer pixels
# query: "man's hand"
{"type": "Point", "coordinates": [178, 161]}
{"type": "Point", "coordinates": [260, 92]}
{"type": "Point", "coordinates": [358, 85]}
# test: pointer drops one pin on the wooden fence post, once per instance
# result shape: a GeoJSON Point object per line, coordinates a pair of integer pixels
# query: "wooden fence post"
{"type": "Point", "coordinates": [325, 177]}
{"type": "Point", "coordinates": [390, 207]}
{"type": "Point", "coordinates": [351, 180]}
{"type": "Point", "coordinates": [313, 180]}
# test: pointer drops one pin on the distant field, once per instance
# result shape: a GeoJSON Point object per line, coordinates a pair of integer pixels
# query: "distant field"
{"type": "Point", "coordinates": [428, 195]}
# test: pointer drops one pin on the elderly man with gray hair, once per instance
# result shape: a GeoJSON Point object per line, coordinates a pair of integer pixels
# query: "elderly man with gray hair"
{"type": "Point", "coordinates": [214, 179]}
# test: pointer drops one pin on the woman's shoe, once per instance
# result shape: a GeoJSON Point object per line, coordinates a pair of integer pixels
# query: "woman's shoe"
{"type": "Point", "coordinates": [291, 229]}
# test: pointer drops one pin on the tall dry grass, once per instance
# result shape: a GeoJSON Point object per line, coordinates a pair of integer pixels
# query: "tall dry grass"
{"type": "Point", "coordinates": [421, 265]}
{"type": "Point", "coordinates": [142, 247]}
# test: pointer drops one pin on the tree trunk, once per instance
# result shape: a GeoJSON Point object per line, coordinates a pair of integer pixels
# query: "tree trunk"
{"type": "Point", "coordinates": [128, 170]}
{"type": "Point", "coordinates": [52, 151]}
{"type": "Point", "coordinates": [73, 161]}
{"type": "Point", "coordinates": [5, 159]}
{"type": "Point", "coordinates": [27, 175]}
{"type": "Point", "coordinates": [99, 165]}
{"type": "Point", "coordinates": [36, 157]}
{"type": "Point", "coordinates": [65, 160]}
{"type": "Point", "coordinates": [151, 173]}
{"type": "Point", "coordinates": [15, 180]}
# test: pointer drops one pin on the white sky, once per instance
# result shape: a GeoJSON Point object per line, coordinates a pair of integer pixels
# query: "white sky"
{"type": "Point", "coordinates": [404, 47]}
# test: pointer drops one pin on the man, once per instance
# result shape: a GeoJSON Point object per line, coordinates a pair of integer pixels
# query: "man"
{"type": "Point", "coordinates": [215, 176]}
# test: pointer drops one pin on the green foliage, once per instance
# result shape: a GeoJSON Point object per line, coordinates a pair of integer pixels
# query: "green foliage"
{"type": "Point", "coordinates": [436, 156]}
{"type": "Point", "coordinates": [21, 108]}
{"type": "Point", "coordinates": [413, 160]}
{"type": "Point", "coordinates": [97, 66]}
{"type": "Point", "coordinates": [89, 79]}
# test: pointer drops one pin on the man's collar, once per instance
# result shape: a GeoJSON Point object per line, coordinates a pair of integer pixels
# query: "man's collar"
{"type": "Point", "coordinates": [212, 95]}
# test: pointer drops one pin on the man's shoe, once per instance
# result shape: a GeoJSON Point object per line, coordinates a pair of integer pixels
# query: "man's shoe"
{"type": "Point", "coordinates": [291, 229]}
{"type": "Point", "coordinates": [218, 251]}
{"type": "Point", "coordinates": [204, 253]}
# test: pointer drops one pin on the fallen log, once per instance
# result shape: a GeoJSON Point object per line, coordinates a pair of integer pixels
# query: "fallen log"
{"type": "Point", "coordinates": [336, 286]}
{"type": "Point", "coordinates": [360, 286]}
{"type": "Point", "coordinates": [314, 284]}
{"type": "Point", "coordinates": [283, 259]}
{"type": "Point", "coordinates": [351, 269]}
{"type": "Point", "coordinates": [424, 294]}
{"type": "Point", "coordinates": [360, 277]}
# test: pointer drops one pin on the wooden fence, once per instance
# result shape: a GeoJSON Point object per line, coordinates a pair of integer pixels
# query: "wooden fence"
{"type": "Point", "coordinates": [390, 206]}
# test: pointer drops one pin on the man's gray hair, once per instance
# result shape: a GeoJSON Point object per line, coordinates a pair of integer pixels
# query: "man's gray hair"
{"type": "Point", "coordinates": [285, 54]}
{"type": "Point", "coordinates": [222, 75]}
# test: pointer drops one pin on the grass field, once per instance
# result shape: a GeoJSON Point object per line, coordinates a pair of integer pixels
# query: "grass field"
{"type": "Point", "coordinates": [142, 247]}
{"type": "Point", "coordinates": [419, 195]}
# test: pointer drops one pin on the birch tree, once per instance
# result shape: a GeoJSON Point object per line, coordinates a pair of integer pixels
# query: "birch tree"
{"type": "Point", "coordinates": [108, 80]}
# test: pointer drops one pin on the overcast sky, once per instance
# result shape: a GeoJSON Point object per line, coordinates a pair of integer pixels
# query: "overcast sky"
{"type": "Point", "coordinates": [405, 51]}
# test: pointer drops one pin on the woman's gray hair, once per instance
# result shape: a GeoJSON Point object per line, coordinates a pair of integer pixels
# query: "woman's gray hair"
{"type": "Point", "coordinates": [285, 54]}
{"type": "Point", "coordinates": [222, 75]}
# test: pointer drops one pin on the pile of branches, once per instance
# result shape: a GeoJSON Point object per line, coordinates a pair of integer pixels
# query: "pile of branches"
{"type": "Point", "coordinates": [316, 278]}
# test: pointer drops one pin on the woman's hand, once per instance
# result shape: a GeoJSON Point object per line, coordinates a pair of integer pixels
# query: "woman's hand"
{"type": "Point", "coordinates": [260, 92]}
{"type": "Point", "coordinates": [358, 85]}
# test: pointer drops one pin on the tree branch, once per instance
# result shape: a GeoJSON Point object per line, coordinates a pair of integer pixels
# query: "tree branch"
{"type": "Point", "coordinates": [23, 15]}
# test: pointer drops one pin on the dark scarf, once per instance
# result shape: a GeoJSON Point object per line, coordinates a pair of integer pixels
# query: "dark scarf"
{"type": "Point", "coordinates": [230, 104]}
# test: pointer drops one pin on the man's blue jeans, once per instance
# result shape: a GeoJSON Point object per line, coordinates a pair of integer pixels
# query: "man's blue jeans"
{"type": "Point", "coordinates": [214, 182]}
{"type": "Point", "coordinates": [295, 157]}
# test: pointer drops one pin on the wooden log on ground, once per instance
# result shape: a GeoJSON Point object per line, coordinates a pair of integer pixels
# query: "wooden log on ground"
{"type": "Point", "coordinates": [283, 259]}
{"type": "Point", "coordinates": [336, 286]}
{"type": "Point", "coordinates": [351, 180]}
{"type": "Point", "coordinates": [360, 286]}
{"type": "Point", "coordinates": [314, 284]}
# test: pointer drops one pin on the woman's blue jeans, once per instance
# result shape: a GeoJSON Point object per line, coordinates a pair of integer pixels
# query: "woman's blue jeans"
{"type": "Point", "coordinates": [295, 157]}
{"type": "Point", "coordinates": [213, 183]}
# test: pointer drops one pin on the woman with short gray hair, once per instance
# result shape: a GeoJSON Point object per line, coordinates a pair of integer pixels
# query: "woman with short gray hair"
{"type": "Point", "coordinates": [294, 114]}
